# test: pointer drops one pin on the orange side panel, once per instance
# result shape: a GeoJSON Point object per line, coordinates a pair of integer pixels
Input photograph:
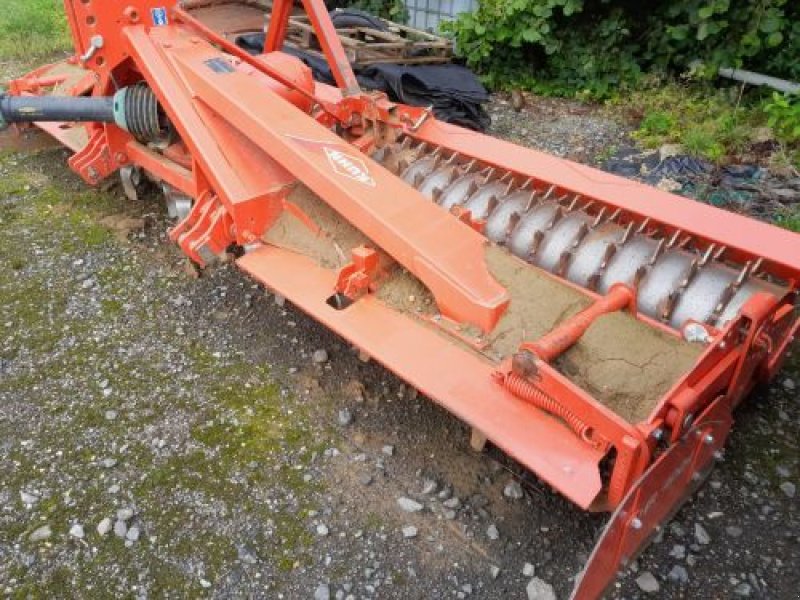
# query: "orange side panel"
{"type": "Point", "coordinates": [455, 378]}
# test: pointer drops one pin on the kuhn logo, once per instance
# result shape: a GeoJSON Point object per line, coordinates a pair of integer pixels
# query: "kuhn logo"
{"type": "Point", "coordinates": [349, 166]}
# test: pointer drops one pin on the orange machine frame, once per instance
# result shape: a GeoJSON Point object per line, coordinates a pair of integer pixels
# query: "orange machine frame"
{"type": "Point", "coordinates": [247, 133]}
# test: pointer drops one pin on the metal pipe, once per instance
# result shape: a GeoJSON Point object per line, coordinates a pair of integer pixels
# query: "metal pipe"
{"type": "Point", "coordinates": [29, 109]}
{"type": "Point", "coordinates": [753, 78]}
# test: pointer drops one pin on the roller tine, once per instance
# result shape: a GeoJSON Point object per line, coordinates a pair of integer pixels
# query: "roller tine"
{"type": "Point", "coordinates": [587, 207]}
{"type": "Point", "coordinates": [507, 176]}
{"type": "Point", "coordinates": [757, 266]}
{"type": "Point", "coordinates": [595, 278]}
{"type": "Point", "coordinates": [727, 296]}
{"type": "Point", "coordinates": [674, 239]}
{"type": "Point", "coordinates": [470, 166]}
{"type": "Point", "coordinates": [406, 143]}
{"type": "Point", "coordinates": [639, 275]}
{"type": "Point", "coordinates": [538, 238]}
{"type": "Point", "coordinates": [490, 172]}
{"type": "Point", "coordinates": [718, 254]}
{"type": "Point", "coordinates": [611, 250]}
{"type": "Point", "coordinates": [669, 305]}
{"type": "Point", "coordinates": [691, 272]}
{"type": "Point", "coordinates": [583, 231]}
{"type": "Point", "coordinates": [492, 205]}
{"type": "Point", "coordinates": [707, 255]}
{"type": "Point", "coordinates": [437, 152]}
{"type": "Point", "coordinates": [549, 192]}
{"type": "Point", "coordinates": [643, 225]}
{"type": "Point", "coordinates": [658, 251]}
{"type": "Point", "coordinates": [508, 187]}
{"type": "Point", "coordinates": [422, 148]}
{"type": "Point", "coordinates": [452, 159]}
{"type": "Point", "coordinates": [528, 183]}
{"type": "Point", "coordinates": [513, 220]}
{"type": "Point", "coordinates": [563, 262]}
{"type": "Point", "coordinates": [615, 215]}
{"type": "Point", "coordinates": [599, 218]}
{"type": "Point", "coordinates": [557, 216]}
{"type": "Point", "coordinates": [685, 242]}
{"type": "Point", "coordinates": [628, 233]}
{"type": "Point", "coordinates": [743, 274]}
{"type": "Point", "coordinates": [574, 202]}
{"type": "Point", "coordinates": [531, 201]}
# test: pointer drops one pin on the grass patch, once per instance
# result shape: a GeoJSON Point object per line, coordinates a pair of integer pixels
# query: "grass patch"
{"type": "Point", "coordinates": [707, 122]}
{"type": "Point", "coordinates": [790, 220]}
{"type": "Point", "coordinates": [33, 28]}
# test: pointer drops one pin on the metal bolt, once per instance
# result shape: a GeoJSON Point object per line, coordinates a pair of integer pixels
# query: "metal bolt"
{"type": "Point", "coordinates": [709, 439]}
{"type": "Point", "coordinates": [696, 477]}
{"type": "Point", "coordinates": [636, 523]}
{"type": "Point", "coordinates": [687, 421]}
{"type": "Point", "coordinates": [723, 344]}
{"type": "Point", "coordinates": [719, 456]}
{"type": "Point", "coordinates": [658, 434]}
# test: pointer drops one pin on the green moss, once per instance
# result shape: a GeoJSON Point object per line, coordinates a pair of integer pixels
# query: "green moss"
{"type": "Point", "coordinates": [246, 434]}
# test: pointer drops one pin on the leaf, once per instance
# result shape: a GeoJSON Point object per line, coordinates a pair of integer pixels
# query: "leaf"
{"type": "Point", "coordinates": [770, 24]}
{"type": "Point", "coordinates": [706, 12]}
{"type": "Point", "coordinates": [774, 39]}
{"type": "Point", "coordinates": [531, 35]}
{"type": "Point", "coordinates": [679, 33]}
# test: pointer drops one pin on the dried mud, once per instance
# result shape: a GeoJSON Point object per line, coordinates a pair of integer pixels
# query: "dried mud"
{"type": "Point", "coordinates": [628, 365]}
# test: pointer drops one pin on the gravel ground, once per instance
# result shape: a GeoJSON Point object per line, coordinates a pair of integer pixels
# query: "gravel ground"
{"type": "Point", "coordinates": [166, 436]}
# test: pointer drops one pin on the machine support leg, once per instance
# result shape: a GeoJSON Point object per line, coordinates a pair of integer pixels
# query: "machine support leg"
{"type": "Point", "coordinates": [477, 440]}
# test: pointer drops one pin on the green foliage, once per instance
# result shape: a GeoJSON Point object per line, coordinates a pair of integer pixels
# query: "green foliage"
{"type": "Point", "coordinates": [789, 219]}
{"type": "Point", "coordinates": [32, 28]}
{"type": "Point", "coordinates": [783, 113]}
{"type": "Point", "coordinates": [599, 47]}
{"type": "Point", "coordinates": [706, 122]}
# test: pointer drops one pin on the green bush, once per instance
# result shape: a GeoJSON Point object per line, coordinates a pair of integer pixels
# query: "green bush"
{"type": "Point", "coordinates": [597, 47]}
{"type": "Point", "coordinates": [707, 122]}
{"type": "Point", "coordinates": [783, 113]}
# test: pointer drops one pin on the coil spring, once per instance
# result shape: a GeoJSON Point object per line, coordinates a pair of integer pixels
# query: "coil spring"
{"type": "Point", "coordinates": [143, 116]}
{"type": "Point", "coordinates": [530, 393]}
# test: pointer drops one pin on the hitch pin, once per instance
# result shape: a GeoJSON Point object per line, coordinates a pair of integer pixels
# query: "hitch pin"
{"type": "Point", "coordinates": [97, 42]}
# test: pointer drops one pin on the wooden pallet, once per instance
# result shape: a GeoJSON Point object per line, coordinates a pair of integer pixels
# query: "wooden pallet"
{"type": "Point", "coordinates": [367, 46]}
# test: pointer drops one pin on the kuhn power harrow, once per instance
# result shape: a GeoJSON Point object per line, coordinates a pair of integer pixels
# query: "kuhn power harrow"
{"type": "Point", "coordinates": [598, 330]}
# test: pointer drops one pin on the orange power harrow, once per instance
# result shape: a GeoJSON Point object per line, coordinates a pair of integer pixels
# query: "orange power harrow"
{"type": "Point", "coordinates": [599, 331]}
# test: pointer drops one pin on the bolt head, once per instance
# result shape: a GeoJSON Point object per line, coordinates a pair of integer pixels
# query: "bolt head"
{"type": "Point", "coordinates": [636, 523]}
{"type": "Point", "coordinates": [708, 439]}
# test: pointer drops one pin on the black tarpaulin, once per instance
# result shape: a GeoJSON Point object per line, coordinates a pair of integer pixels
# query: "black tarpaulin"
{"type": "Point", "coordinates": [454, 92]}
